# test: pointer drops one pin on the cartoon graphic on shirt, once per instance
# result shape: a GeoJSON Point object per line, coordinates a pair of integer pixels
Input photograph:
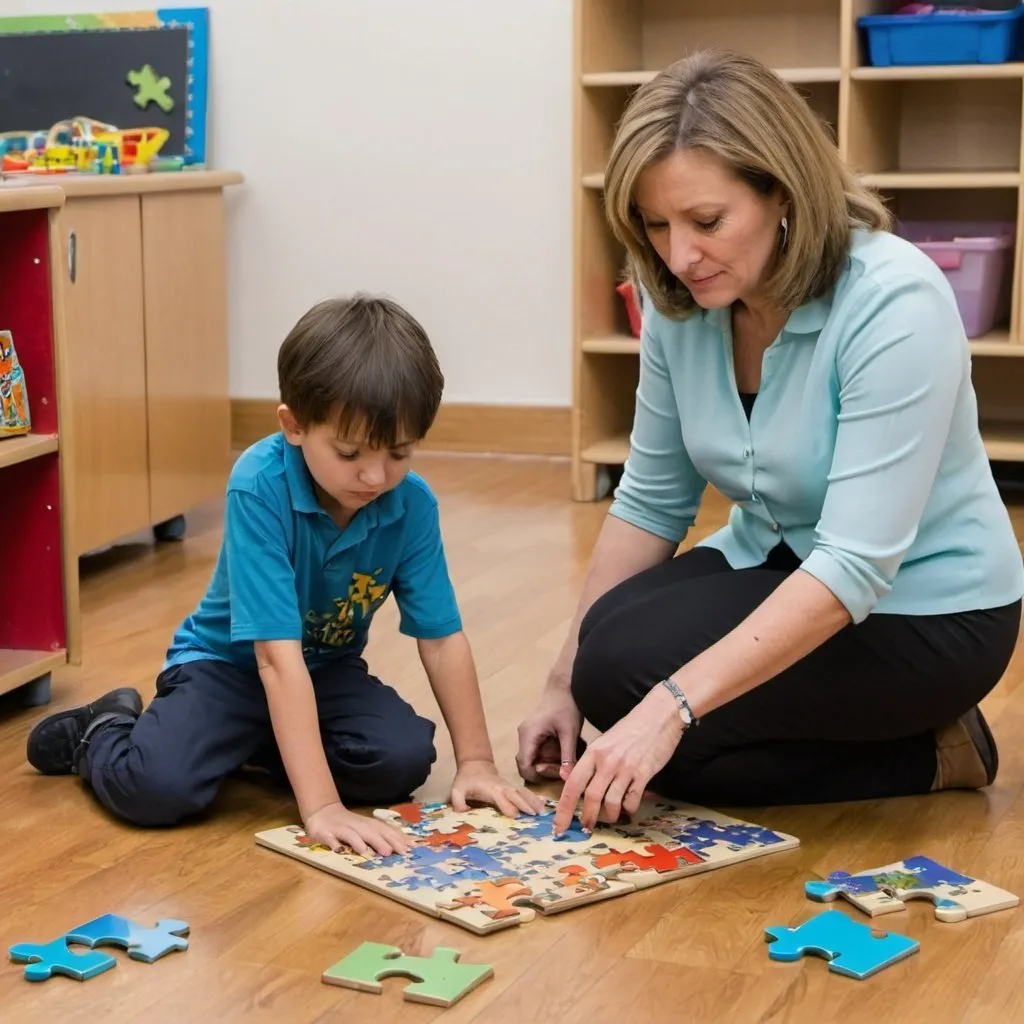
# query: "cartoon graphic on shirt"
{"type": "Point", "coordinates": [338, 627]}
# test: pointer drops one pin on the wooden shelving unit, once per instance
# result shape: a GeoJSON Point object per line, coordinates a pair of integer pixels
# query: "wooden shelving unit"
{"type": "Point", "coordinates": [938, 142]}
{"type": "Point", "coordinates": [39, 625]}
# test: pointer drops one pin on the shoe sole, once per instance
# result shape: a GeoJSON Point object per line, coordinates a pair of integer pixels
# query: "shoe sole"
{"type": "Point", "coordinates": [984, 742]}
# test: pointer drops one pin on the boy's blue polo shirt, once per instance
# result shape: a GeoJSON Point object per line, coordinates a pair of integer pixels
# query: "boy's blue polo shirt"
{"type": "Point", "coordinates": [287, 572]}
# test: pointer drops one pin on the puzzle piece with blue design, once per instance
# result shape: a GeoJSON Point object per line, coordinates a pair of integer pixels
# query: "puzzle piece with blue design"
{"type": "Point", "coordinates": [145, 944]}
{"type": "Point", "coordinates": [851, 947]}
{"type": "Point", "coordinates": [483, 871]}
{"type": "Point", "coordinates": [884, 890]}
{"type": "Point", "coordinates": [46, 960]}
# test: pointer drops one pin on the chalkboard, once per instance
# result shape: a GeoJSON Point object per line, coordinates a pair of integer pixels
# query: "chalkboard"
{"type": "Point", "coordinates": [55, 69]}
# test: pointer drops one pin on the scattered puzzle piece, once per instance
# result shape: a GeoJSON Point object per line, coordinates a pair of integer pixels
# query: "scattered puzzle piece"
{"type": "Point", "coordinates": [884, 890]}
{"type": "Point", "coordinates": [145, 944]}
{"type": "Point", "coordinates": [850, 947]}
{"type": "Point", "coordinates": [151, 89]}
{"type": "Point", "coordinates": [438, 978]}
{"type": "Point", "coordinates": [44, 961]}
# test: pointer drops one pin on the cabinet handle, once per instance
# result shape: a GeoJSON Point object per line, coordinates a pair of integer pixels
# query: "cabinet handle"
{"type": "Point", "coordinates": [72, 256]}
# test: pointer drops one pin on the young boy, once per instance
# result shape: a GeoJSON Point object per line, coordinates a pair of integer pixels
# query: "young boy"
{"type": "Point", "coordinates": [323, 521]}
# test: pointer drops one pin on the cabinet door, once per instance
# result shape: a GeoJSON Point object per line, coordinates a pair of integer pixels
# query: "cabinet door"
{"type": "Point", "coordinates": [186, 349]}
{"type": "Point", "coordinates": [106, 359]}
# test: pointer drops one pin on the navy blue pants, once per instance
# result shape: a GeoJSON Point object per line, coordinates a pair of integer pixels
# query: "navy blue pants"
{"type": "Point", "coordinates": [209, 719]}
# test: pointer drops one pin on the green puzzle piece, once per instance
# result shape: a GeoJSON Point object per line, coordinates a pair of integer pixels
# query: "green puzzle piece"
{"type": "Point", "coordinates": [439, 980]}
{"type": "Point", "coordinates": [151, 89]}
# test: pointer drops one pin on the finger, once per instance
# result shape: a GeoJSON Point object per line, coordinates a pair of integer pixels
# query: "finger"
{"type": "Point", "coordinates": [505, 802]}
{"type": "Point", "coordinates": [567, 743]}
{"type": "Point", "coordinates": [548, 770]}
{"type": "Point", "coordinates": [593, 797]}
{"type": "Point", "coordinates": [527, 802]}
{"type": "Point", "coordinates": [352, 838]}
{"type": "Point", "coordinates": [611, 808]}
{"type": "Point", "coordinates": [571, 792]}
{"type": "Point", "coordinates": [401, 841]}
{"type": "Point", "coordinates": [459, 802]}
{"type": "Point", "coordinates": [633, 798]}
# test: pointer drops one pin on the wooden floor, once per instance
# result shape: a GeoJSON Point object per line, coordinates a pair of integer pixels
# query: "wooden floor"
{"type": "Point", "coordinates": [264, 927]}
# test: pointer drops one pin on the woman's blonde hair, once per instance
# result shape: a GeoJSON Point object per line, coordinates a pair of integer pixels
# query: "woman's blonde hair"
{"type": "Point", "coordinates": [735, 107]}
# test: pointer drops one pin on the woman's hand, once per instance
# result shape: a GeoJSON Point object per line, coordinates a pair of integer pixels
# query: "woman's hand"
{"type": "Point", "coordinates": [480, 781]}
{"type": "Point", "coordinates": [547, 739]}
{"type": "Point", "coordinates": [614, 772]}
{"type": "Point", "coordinates": [335, 826]}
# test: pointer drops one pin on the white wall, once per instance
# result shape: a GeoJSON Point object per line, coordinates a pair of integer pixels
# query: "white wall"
{"type": "Point", "coordinates": [420, 148]}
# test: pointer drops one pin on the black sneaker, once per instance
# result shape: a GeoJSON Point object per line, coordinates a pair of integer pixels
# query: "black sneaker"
{"type": "Point", "coordinates": [54, 742]}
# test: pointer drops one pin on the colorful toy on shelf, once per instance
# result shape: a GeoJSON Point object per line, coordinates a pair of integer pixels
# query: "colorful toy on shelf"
{"type": "Point", "coordinates": [633, 311]}
{"type": "Point", "coordinates": [80, 144]}
{"type": "Point", "coordinates": [14, 411]}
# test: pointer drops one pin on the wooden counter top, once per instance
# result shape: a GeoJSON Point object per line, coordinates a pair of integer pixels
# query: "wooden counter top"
{"type": "Point", "coordinates": [41, 197]}
{"type": "Point", "coordinates": [16, 189]}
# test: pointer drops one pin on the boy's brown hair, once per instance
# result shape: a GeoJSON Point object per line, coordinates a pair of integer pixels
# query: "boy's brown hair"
{"type": "Point", "coordinates": [361, 363]}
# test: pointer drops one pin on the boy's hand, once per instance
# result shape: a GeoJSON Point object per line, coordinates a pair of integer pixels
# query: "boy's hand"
{"type": "Point", "coordinates": [480, 781]}
{"type": "Point", "coordinates": [336, 826]}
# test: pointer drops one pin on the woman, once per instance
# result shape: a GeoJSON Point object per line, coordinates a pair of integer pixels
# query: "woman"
{"type": "Point", "coordinates": [832, 642]}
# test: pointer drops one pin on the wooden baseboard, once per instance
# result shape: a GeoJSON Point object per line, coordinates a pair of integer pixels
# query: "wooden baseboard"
{"type": "Point", "coordinates": [502, 429]}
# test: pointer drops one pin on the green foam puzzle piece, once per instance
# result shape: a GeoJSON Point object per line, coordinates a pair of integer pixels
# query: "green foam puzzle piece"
{"type": "Point", "coordinates": [151, 89]}
{"type": "Point", "coordinates": [438, 978]}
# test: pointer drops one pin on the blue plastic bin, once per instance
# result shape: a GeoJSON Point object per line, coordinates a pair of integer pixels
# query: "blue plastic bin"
{"type": "Point", "coordinates": [943, 38]}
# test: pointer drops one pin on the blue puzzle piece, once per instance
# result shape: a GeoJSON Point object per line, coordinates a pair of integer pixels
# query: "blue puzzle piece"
{"type": "Point", "coordinates": [44, 961]}
{"type": "Point", "coordinates": [425, 878]}
{"type": "Point", "coordinates": [483, 861]}
{"type": "Point", "coordinates": [932, 873]}
{"type": "Point", "coordinates": [542, 825]}
{"type": "Point", "coordinates": [145, 944]}
{"type": "Point", "coordinates": [916, 873]}
{"type": "Point", "coordinates": [849, 946]}
{"type": "Point", "coordinates": [705, 834]}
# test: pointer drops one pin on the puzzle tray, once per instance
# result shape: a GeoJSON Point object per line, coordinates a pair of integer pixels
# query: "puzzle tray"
{"type": "Point", "coordinates": [484, 871]}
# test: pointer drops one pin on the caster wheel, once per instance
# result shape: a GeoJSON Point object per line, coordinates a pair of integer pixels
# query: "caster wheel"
{"type": "Point", "coordinates": [170, 529]}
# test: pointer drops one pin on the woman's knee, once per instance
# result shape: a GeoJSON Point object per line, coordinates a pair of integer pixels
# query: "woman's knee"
{"type": "Point", "coordinates": [601, 686]}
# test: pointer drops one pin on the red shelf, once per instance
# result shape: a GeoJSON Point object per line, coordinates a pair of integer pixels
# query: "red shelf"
{"type": "Point", "coordinates": [33, 632]}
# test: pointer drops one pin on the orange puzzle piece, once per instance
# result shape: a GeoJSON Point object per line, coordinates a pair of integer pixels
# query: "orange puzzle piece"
{"type": "Point", "coordinates": [495, 895]}
{"type": "Point", "coordinates": [462, 836]}
{"type": "Point", "coordinates": [660, 859]}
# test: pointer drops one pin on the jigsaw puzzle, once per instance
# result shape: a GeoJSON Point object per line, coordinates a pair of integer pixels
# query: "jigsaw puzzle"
{"type": "Point", "coordinates": [850, 947]}
{"type": "Point", "coordinates": [884, 890]}
{"type": "Point", "coordinates": [438, 979]}
{"type": "Point", "coordinates": [484, 871]}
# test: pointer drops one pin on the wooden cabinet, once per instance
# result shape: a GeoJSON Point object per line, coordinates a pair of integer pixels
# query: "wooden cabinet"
{"type": "Point", "coordinates": [104, 313]}
{"type": "Point", "coordinates": [146, 313]}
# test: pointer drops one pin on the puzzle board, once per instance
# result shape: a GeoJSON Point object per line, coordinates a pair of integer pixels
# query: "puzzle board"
{"type": "Point", "coordinates": [484, 871]}
{"type": "Point", "coordinates": [883, 890]}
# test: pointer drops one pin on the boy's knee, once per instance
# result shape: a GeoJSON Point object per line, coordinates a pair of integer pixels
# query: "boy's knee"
{"type": "Point", "coordinates": [390, 770]}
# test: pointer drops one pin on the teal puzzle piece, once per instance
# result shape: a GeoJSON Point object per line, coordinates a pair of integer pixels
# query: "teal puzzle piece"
{"type": "Point", "coordinates": [44, 961]}
{"type": "Point", "coordinates": [146, 944]}
{"type": "Point", "coordinates": [849, 946]}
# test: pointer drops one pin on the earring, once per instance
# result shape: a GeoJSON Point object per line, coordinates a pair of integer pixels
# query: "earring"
{"type": "Point", "coordinates": [785, 231]}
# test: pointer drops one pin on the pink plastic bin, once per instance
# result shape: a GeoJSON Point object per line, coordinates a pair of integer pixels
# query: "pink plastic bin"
{"type": "Point", "coordinates": [977, 257]}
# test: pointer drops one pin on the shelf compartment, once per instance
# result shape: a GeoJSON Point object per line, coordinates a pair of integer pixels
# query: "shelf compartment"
{"type": "Point", "coordinates": [608, 399]}
{"type": "Point", "coordinates": [602, 263]}
{"type": "Point", "coordinates": [942, 180]}
{"type": "Point", "coordinates": [29, 446]}
{"type": "Point", "coordinates": [32, 605]}
{"type": "Point", "coordinates": [18, 667]}
{"type": "Point", "coordinates": [785, 34]}
{"type": "Point", "coordinates": [935, 129]}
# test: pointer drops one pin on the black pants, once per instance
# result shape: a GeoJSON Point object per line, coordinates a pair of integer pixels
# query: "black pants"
{"type": "Point", "coordinates": [853, 720]}
{"type": "Point", "coordinates": [209, 719]}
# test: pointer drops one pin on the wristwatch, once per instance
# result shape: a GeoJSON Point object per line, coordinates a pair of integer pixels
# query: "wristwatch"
{"type": "Point", "coordinates": [682, 703]}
